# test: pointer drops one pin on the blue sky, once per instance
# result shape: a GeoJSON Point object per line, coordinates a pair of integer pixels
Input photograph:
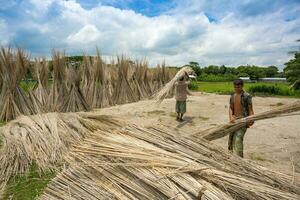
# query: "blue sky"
{"type": "Point", "coordinates": [228, 32]}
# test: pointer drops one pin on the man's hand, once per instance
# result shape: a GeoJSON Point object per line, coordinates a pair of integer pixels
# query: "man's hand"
{"type": "Point", "coordinates": [232, 118]}
{"type": "Point", "coordinates": [250, 123]}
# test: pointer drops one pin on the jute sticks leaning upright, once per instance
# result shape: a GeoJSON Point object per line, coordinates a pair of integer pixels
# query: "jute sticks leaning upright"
{"type": "Point", "coordinates": [64, 85]}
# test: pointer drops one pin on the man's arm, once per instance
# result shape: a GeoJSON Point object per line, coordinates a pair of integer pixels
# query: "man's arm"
{"type": "Point", "coordinates": [250, 111]}
{"type": "Point", "coordinates": [188, 92]}
{"type": "Point", "coordinates": [231, 115]}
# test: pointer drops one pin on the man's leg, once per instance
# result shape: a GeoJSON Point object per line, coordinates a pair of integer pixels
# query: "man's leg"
{"type": "Point", "coordinates": [182, 109]}
{"type": "Point", "coordinates": [230, 142]}
{"type": "Point", "coordinates": [181, 116]}
{"type": "Point", "coordinates": [238, 140]}
{"type": "Point", "coordinates": [177, 110]}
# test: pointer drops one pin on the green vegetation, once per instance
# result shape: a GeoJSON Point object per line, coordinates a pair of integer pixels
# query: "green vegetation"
{"type": "Point", "coordinates": [27, 85]}
{"type": "Point", "coordinates": [223, 73]}
{"type": "Point", "coordinates": [27, 186]}
{"type": "Point", "coordinates": [292, 71]}
{"type": "Point", "coordinates": [259, 89]}
{"type": "Point", "coordinates": [217, 78]}
{"type": "Point", "coordinates": [212, 87]}
{"type": "Point", "coordinates": [274, 89]}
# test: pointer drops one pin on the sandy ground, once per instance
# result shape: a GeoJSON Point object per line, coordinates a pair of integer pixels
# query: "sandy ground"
{"type": "Point", "coordinates": [274, 143]}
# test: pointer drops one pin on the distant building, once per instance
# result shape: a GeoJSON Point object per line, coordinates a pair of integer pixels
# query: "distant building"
{"type": "Point", "coordinates": [266, 80]}
{"type": "Point", "coordinates": [272, 80]}
{"type": "Point", "coordinates": [246, 79]}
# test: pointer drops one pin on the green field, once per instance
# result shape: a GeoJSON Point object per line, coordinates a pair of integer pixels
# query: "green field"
{"type": "Point", "coordinates": [258, 89]}
{"type": "Point", "coordinates": [29, 185]}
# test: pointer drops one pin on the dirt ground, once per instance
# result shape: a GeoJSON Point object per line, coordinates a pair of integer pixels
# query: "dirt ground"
{"type": "Point", "coordinates": [274, 143]}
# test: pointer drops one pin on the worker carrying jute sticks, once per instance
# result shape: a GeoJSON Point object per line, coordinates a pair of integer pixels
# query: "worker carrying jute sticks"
{"type": "Point", "coordinates": [240, 106]}
{"type": "Point", "coordinates": [181, 92]}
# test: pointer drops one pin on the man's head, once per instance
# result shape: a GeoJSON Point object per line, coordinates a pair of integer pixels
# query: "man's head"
{"type": "Point", "coordinates": [238, 85]}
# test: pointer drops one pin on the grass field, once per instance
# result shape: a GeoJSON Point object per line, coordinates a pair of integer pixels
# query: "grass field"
{"type": "Point", "coordinates": [259, 89]}
{"type": "Point", "coordinates": [28, 186]}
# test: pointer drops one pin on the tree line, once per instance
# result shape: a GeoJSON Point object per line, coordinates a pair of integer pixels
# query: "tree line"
{"type": "Point", "coordinates": [291, 71]}
{"type": "Point", "coordinates": [252, 71]}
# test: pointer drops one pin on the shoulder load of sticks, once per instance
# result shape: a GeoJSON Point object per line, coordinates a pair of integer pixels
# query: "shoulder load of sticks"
{"type": "Point", "coordinates": [165, 90]}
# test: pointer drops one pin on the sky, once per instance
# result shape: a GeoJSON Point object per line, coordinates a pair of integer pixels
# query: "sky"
{"type": "Point", "coordinates": [211, 32]}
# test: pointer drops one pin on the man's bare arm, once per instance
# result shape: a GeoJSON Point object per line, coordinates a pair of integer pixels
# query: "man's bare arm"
{"type": "Point", "coordinates": [251, 112]}
{"type": "Point", "coordinates": [231, 116]}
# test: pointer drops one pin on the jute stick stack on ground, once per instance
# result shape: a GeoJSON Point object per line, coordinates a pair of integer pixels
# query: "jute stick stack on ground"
{"type": "Point", "coordinates": [151, 163]}
{"type": "Point", "coordinates": [123, 91]}
{"type": "Point", "coordinates": [40, 93]}
{"type": "Point", "coordinates": [74, 100]}
{"type": "Point", "coordinates": [109, 159]}
{"type": "Point", "coordinates": [59, 85]}
{"type": "Point", "coordinates": [13, 100]}
{"type": "Point", "coordinates": [223, 130]}
{"type": "Point", "coordinates": [88, 79]}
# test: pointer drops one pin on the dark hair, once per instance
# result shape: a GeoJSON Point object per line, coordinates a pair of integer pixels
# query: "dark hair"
{"type": "Point", "coordinates": [238, 82]}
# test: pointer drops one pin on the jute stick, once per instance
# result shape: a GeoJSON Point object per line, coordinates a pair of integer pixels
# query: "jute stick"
{"type": "Point", "coordinates": [226, 129]}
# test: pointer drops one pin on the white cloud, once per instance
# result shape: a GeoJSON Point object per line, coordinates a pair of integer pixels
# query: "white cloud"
{"type": "Point", "coordinates": [41, 5]}
{"type": "Point", "coordinates": [86, 35]}
{"type": "Point", "coordinates": [182, 35]}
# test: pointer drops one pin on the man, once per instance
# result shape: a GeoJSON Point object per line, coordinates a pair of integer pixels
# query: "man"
{"type": "Point", "coordinates": [240, 106]}
{"type": "Point", "coordinates": [181, 93]}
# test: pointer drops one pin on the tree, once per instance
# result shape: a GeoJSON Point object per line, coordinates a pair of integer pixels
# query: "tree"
{"type": "Point", "coordinates": [254, 72]}
{"type": "Point", "coordinates": [222, 69]}
{"type": "Point", "coordinates": [74, 58]}
{"type": "Point", "coordinates": [196, 67]}
{"type": "Point", "coordinates": [232, 70]}
{"type": "Point", "coordinates": [243, 74]}
{"type": "Point", "coordinates": [212, 69]}
{"type": "Point", "coordinates": [271, 71]}
{"type": "Point", "coordinates": [292, 71]}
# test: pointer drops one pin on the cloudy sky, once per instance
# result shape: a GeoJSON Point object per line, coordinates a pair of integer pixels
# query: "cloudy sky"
{"type": "Point", "coordinates": [228, 32]}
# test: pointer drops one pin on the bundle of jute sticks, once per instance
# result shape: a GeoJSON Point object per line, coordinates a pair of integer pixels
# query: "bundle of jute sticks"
{"type": "Point", "coordinates": [165, 90]}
